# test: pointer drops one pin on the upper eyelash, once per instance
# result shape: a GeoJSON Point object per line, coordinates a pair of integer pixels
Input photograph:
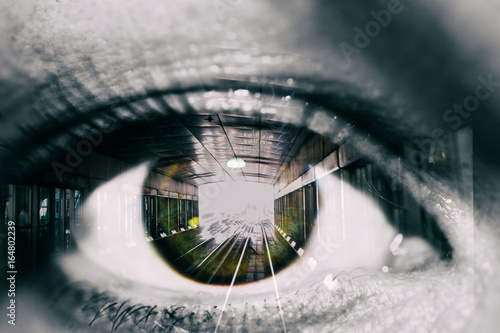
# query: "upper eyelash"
{"type": "Point", "coordinates": [331, 92]}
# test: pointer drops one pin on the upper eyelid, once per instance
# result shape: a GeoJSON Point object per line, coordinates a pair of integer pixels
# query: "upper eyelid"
{"type": "Point", "coordinates": [335, 95]}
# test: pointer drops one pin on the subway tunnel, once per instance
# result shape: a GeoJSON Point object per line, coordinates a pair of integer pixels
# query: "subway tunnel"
{"type": "Point", "coordinates": [331, 190]}
{"type": "Point", "coordinates": [258, 166]}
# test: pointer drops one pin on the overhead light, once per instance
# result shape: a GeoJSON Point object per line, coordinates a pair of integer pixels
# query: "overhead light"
{"type": "Point", "coordinates": [236, 163]}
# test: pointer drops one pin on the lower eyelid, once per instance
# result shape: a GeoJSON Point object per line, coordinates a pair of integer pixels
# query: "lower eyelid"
{"type": "Point", "coordinates": [357, 293]}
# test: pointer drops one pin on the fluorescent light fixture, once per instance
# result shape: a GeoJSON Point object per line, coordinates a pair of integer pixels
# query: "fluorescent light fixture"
{"type": "Point", "coordinates": [236, 163]}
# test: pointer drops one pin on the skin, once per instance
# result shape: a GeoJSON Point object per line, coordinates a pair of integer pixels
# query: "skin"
{"type": "Point", "coordinates": [427, 59]}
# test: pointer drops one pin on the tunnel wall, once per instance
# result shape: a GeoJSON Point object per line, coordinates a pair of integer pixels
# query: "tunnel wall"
{"type": "Point", "coordinates": [316, 158]}
{"type": "Point", "coordinates": [297, 200]}
{"type": "Point", "coordinates": [341, 189]}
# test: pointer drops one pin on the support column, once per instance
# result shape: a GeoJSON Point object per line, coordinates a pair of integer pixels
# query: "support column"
{"type": "Point", "coordinates": [35, 215]}
{"type": "Point", "coordinates": [62, 219]}
{"type": "Point", "coordinates": [304, 213]}
{"type": "Point", "coordinates": [70, 199]}
{"type": "Point", "coordinates": [11, 212]}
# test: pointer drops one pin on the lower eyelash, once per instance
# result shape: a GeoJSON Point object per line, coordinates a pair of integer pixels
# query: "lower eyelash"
{"type": "Point", "coordinates": [101, 311]}
{"type": "Point", "coordinates": [111, 315]}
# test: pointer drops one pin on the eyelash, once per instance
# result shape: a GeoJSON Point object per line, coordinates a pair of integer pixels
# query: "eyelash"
{"type": "Point", "coordinates": [104, 312]}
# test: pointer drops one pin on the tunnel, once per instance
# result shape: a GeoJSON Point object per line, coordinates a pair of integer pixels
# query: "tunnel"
{"type": "Point", "coordinates": [249, 166]}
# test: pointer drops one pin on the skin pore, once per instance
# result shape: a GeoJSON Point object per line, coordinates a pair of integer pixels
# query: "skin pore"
{"type": "Point", "coordinates": [419, 63]}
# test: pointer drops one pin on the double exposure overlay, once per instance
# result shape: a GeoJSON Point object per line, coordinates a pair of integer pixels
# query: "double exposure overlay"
{"type": "Point", "coordinates": [249, 166]}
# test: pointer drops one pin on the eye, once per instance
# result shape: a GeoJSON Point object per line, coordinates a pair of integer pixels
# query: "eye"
{"type": "Point", "coordinates": [334, 209]}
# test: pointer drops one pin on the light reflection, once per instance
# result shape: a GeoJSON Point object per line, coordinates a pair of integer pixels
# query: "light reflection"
{"type": "Point", "coordinates": [395, 244]}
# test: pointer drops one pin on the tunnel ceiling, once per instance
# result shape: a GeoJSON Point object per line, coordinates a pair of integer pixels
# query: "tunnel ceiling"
{"type": "Point", "coordinates": [194, 145]}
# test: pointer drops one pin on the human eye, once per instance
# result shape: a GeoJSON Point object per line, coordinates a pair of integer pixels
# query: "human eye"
{"type": "Point", "coordinates": [347, 211]}
{"type": "Point", "coordinates": [372, 199]}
